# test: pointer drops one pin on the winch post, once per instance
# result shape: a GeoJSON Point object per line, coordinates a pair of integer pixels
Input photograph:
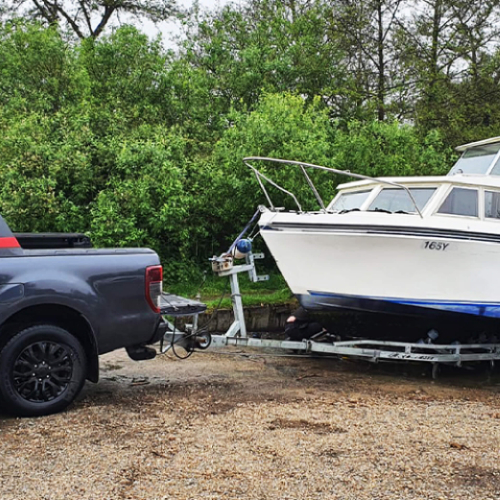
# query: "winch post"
{"type": "Point", "coordinates": [227, 269]}
{"type": "Point", "coordinates": [239, 315]}
{"type": "Point", "coordinates": [239, 325]}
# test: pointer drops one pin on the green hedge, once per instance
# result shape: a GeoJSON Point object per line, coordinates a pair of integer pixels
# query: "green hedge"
{"type": "Point", "coordinates": [114, 139]}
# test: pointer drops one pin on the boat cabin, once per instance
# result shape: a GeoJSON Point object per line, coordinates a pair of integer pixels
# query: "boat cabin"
{"type": "Point", "coordinates": [482, 157]}
{"type": "Point", "coordinates": [471, 189]}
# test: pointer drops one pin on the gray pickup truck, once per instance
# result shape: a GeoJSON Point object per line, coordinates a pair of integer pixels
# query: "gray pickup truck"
{"type": "Point", "coordinates": [62, 303]}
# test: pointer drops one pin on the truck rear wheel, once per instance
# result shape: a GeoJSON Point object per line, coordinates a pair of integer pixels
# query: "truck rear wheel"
{"type": "Point", "coordinates": [42, 370]}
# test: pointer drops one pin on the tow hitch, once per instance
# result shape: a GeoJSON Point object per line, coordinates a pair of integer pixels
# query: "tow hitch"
{"type": "Point", "coordinates": [187, 336]}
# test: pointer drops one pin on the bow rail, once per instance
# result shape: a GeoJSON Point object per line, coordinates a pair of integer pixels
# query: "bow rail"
{"type": "Point", "coordinates": [260, 177]}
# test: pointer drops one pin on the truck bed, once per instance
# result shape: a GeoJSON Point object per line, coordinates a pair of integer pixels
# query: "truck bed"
{"type": "Point", "coordinates": [30, 241]}
{"type": "Point", "coordinates": [68, 252]}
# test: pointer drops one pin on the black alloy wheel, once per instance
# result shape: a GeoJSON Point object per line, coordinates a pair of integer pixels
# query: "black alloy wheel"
{"type": "Point", "coordinates": [42, 370]}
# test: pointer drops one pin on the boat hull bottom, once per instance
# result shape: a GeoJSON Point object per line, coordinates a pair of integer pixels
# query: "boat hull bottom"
{"type": "Point", "coordinates": [354, 317]}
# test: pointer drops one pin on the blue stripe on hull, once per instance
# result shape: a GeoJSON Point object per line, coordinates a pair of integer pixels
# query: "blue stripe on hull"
{"type": "Point", "coordinates": [488, 309]}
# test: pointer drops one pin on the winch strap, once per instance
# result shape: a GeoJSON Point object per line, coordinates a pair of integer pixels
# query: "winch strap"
{"type": "Point", "coordinates": [257, 212]}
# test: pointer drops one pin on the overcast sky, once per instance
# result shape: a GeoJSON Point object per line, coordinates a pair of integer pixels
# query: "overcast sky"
{"type": "Point", "coordinates": [168, 30]}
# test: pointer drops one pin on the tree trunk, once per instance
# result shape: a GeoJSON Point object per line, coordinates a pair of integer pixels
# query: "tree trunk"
{"type": "Point", "coordinates": [381, 64]}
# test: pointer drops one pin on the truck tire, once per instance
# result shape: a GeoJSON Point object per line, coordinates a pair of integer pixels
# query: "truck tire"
{"type": "Point", "coordinates": [42, 370]}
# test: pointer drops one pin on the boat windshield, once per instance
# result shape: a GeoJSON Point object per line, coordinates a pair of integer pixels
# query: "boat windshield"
{"type": "Point", "coordinates": [350, 201]}
{"type": "Point", "coordinates": [476, 160]}
{"type": "Point", "coordinates": [397, 200]}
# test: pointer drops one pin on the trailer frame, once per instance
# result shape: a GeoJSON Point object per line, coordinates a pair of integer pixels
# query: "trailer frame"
{"type": "Point", "coordinates": [374, 351]}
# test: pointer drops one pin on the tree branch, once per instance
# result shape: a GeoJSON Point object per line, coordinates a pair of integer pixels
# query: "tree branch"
{"type": "Point", "coordinates": [86, 15]}
{"type": "Point", "coordinates": [57, 8]}
{"type": "Point", "coordinates": [108, 12]}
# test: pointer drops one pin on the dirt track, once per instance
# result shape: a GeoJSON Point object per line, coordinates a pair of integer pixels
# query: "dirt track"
{"type": "Point", "coordinates": [238, 427]}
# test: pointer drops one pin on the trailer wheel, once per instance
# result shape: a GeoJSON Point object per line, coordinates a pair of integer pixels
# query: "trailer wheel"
{"type": "Point", "coordinates": [42, 370]}
{"type": "Point", "coordinates": [203, 340]}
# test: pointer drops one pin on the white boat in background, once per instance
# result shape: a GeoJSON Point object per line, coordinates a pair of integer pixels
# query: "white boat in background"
{"type": "Point", "coordinates": [410, 253]}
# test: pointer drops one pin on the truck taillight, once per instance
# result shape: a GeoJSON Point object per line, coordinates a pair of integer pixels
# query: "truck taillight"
{"type": "Point", "coordinates": [154, 286]}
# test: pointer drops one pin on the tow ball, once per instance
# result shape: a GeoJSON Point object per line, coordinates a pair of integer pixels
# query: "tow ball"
{"type": "Point", "coordinates": [183, 343]}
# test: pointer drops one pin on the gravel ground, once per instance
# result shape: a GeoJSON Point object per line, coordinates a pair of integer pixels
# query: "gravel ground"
{"type": "Point", "coordinates": [251, 427]}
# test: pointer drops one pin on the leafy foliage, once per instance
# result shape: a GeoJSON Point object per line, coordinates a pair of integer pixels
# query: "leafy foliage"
{"type": "Point", "coordinates": [137, 145]}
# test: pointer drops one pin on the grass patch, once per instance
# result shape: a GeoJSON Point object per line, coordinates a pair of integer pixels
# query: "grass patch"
{"type": "Point", "coordinates": [272, 292]}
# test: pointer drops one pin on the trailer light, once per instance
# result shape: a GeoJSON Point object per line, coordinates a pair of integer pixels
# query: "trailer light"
{"type": "Point", "coordinates": [154, 286]}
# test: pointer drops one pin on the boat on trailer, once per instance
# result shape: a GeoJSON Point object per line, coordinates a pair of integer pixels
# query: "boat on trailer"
{"type": "Point", "coordinates": [394, 258]}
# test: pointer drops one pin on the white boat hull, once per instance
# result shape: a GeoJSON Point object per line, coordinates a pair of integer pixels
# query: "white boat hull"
{"type": "Point", "coordinates": [376, 268]}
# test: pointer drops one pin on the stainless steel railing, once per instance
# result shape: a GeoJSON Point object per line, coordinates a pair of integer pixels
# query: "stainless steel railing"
{"type": "Point", "coordinates": [260, 177]}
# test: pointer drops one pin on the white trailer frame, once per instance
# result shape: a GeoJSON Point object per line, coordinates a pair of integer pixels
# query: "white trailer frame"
{"type": "Point", "coordinates": [369, 350]}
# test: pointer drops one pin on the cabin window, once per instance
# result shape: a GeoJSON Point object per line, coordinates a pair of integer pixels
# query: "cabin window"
{"type": "Point", "coordinates": [492, 205]}
{"type": "Point", "coordinates": [397, 200]}
{"type": "Point", "coordinates": [350, 201]}
{"type": "Point", "coordinates": [476, 160]}
{"type": "Point", "coordinates": [496, 169]}
{"type": "Point", "coordinates": [460, 201]}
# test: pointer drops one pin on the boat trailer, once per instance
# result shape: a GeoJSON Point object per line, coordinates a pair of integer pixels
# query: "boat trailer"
{"type": "Point", "coordinates": [190, 337]}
